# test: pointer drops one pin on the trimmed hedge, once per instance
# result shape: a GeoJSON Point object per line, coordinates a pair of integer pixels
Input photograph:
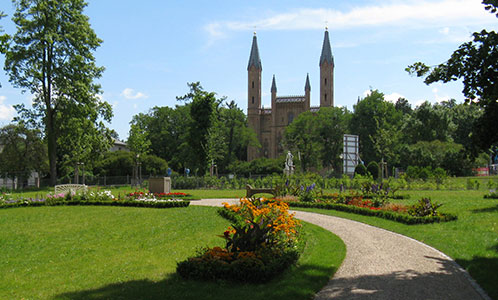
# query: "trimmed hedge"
{"type": "Point", "coordinates": [265, 267]}
{"type": "Point", "coordinates": [491, 196]}
{"type": "Point", "coordinates": [402, 218]}
{"type": "Point", "coordinates": [130, 203]}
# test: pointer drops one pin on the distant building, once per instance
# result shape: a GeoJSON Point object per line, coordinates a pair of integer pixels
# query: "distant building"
{"type": "Point", "coordinates": [270, 123]}
{"type": "Point", "coordinates": [119, 146]}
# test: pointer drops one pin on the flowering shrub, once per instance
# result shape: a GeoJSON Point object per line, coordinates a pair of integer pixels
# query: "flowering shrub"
{"type": "Point", "coordinates": [307, 194]}
{"type": "Point", "coordinates": [265, 223]}
{"type": "Point", "coordinates": [261, 243]}
{"type": "Point", "coordinates": [424, 207]}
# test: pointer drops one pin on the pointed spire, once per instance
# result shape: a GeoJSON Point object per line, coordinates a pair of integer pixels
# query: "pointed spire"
{"type": "Point", "coordinates": [254, 60]}
{"type": "Point", "coordinates": [307, 86]}
{"type": "Point", "coordinates": [273, 85]}
{"type": "Point", "coordinates": [326, 50]}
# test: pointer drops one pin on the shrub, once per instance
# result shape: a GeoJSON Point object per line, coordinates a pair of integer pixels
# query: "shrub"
{"type": "Point", "coordinates": [425, 207]}
{"type": "Point", "coordinates": [412, 172]}
{"type": "Point", "coordinates": [373, 169]}
{"type": "Point", "coordinates": [425, 173]}
{"type": "Point", "coordinates": [260, 244]}
{"type": "Point", "coordinates": [360, 170]}
{"type": "Point", "coordinates": [439, 175]}
{"type": "Point", "coordinates": [492, 195]}
{"type": "Point", "coordinates": [307, 194]}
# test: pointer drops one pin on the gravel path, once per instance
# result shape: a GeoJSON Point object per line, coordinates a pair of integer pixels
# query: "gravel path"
{"type": "Point", "coordinates": [380, 264]}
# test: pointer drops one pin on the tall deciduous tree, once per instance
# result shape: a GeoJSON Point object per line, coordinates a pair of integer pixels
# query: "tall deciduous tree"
{"type": "Point", "coordinates": [3, 37]}
{"type": "Point", "coordinates": [318, 137]}
{"type": "Point", "coordinates": [370, 113]}
{"type": "Point", "coordinates": [138, 140]}
{"type": "Point", "coordinates": [51, 56]}
{"type": "Point", "coordinates": [202, 106]}
{"type": "Point", "coordinates": [476, 63]}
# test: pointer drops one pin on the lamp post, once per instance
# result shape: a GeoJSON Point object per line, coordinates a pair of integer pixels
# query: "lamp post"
{"type": "Point", "coordinates": [77, 173]}
{"type": "Point", "coordinates": [136, 169]}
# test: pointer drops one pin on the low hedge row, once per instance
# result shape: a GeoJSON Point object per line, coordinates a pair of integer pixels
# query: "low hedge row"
{"type": "Point", "coordinates": [260, 268]}
{"type": "Point", "coordinates": [402, 218]}
{"type": "Point", "coordinates": [130, 203]}
{"type": "Point", "coordinates": [491, 196]}
{"type": "Point", "coordinates": [229, 215]}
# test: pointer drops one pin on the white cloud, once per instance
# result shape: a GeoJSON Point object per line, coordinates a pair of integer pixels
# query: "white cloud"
{"type": "Point", "coordinates": [129, 93]}
{"type": "Point", "coordinates": [6, 111]}
{"type": "Point", "coordinates": [416, 13]}
{"type": "Point", "coordinates": [393, 97]}
{"type": "Point", "coordinates": [445, 30]}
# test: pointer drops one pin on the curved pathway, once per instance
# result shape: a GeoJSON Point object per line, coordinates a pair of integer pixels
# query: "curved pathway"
{"type": "Point", "coordinates": [381, 264]}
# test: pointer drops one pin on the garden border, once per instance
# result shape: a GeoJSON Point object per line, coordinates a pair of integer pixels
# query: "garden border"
{"type": "Point", "coordinates": [406, 219]}
{"type": "Point", "coordinates": [124, 203]}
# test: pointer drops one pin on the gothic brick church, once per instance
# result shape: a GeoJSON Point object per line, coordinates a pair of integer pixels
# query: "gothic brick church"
{"type": "Point", "coordinates": [270, 123]}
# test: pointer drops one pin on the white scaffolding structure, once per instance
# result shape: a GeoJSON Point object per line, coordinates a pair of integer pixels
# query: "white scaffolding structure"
{"type": "Point", "coordinates": [351, 153]}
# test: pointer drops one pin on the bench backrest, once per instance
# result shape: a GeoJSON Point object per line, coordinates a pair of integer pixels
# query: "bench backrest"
{"type": "Point", "coordinates": [69, 188]}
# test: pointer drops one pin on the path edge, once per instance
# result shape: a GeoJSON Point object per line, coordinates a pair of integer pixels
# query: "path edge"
{"type": "Point", "coordinates": [465, 273]}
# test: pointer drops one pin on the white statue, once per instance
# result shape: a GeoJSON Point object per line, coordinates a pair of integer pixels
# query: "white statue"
{"type": "Point", "coordinates": [289, 164]}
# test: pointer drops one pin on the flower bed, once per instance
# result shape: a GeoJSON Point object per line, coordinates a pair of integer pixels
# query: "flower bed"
{"type": "Point", "coordinates": [139, 195]}
{"type": "Point", "coordinates": [492, 195]}
{"type": "Point", "coordinates": [92, 198]}
{"type": "Point", "coordinates": [403, 214]}
{"type": "Point", "coordinates": [259, 245]}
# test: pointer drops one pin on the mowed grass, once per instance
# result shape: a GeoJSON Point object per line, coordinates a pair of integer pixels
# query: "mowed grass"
{"type": "Point", "coordinates": [88, 252]}
{"type": "Point", "coordinates": [472, 240]}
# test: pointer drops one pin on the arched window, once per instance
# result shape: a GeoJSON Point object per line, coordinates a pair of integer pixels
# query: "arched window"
{"type": "Point", "coordinates": [325, 81]}
{"type": "Point", "coordinates": [265, 148]}
{"type": "Point", "coordinates": [290, 118]}
{"type": "Point", "coordinates": [253, 84]}
{"type": "Point", "coordinates": [252, 99]}
{"type": "Point", "coordinates": [325, 97]}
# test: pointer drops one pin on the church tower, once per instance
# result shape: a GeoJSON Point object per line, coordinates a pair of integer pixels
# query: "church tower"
{"type": "Point", "coordinates": [326, 73]}
{"type": "Point", "coordinates": [307, 93]}
{"type": "Point", "coordinates": [254, 69]}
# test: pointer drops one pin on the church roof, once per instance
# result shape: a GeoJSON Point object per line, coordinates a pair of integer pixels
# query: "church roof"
{"type": "Point", "coordinates": [314, 108]}
{"type": "Point", "coordinates": [307, 86]}
{"type": "Point", "coordinates": [326, 51]}
{"type": "Point", "coordinates": [290, 99]}
{"type": "Point", "coordinates": [254, 60]}
{"type": "Point", "coordinates": [273, 85]}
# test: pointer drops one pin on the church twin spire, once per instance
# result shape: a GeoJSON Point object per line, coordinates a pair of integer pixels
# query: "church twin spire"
{"type": "Point", "coordinates": [254, 60]}
{"type": "Point", "coordinates": [326, 51]}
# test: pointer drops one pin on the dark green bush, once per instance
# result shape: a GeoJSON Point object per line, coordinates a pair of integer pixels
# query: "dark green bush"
{"type": "Point", "coordinates": [373, 169]}
{"type": "Point", "coordinates": [360, 170]}
{"type": "Point", "coordinates": [424, 207]}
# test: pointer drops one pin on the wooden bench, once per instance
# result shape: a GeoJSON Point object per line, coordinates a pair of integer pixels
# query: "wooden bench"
{"type": "Point", "coordinates": [70, 188]}
{"type": "Point", "coordinates": [250, 191]}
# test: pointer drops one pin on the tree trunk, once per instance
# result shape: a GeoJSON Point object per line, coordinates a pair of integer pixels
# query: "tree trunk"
{"type": "Point", "coordinates": [52, 147]}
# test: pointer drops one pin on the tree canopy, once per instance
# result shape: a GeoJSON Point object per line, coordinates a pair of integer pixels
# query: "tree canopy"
{"type": "Point", "coordinates": [476, 64]}
{"type": "Point", "coordinates": [51, 56]}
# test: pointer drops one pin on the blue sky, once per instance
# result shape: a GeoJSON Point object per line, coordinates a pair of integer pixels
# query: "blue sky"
{"type": "Point", "coordinates": [151, 49]}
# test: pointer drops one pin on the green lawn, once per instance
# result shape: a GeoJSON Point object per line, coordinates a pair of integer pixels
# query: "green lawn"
{"type": "Point", "coordinates": [472, 240]}
{"type": "Point", "coordinates": [88, 252]}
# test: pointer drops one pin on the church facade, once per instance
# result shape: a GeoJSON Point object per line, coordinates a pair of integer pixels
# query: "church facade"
{"type": "Point", "coordinates": [269, 123]}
